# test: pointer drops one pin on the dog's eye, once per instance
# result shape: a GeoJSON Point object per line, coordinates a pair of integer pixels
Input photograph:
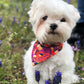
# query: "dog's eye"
{"type": "Point", "coordinates": [45, 18]}
{"type": "Point", "coordinates": [63, 20]}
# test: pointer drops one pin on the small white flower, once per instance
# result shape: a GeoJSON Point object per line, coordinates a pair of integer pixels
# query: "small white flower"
{"type": "Point", "coordinates": [15, 33]}
{"type": "Point", "coordinates": [25, 27]}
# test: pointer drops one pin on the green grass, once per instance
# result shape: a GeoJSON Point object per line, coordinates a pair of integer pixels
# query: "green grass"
{"type": "Point", "coordinates": [16, 37]}
{"type": "Point", "coordinates": [20, 37]}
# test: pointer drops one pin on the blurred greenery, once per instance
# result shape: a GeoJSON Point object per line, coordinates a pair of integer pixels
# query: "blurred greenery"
{"type": "Point", "coordinates": [15, 37]}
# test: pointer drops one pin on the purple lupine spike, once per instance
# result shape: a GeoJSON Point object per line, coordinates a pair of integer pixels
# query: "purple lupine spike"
{"type": "Point", "coordinates": [47, 82]}
{"type": "Point", "coordinates": [58, 73]}
{"type": "Point", "coordinates": [68, 1]}
{"type": "Point", "coordinates": [79, 68]}
{"type": "Point", "coordinates": [17, 9]}
{"type": "Point", "coordinates": [57, 78]}
{"type": "Point", "coordinates": [80, 79]}
{"type": "Point", "coordinates": [14, 19]}
{"type": "Point", "coordinates": [37, 76]}
{"type": "Point", "coordinates": [25, 22]}
{"type": "Point", "coordinates": [78, 44]}
{"type": "Point", "coordinates": [1, 19]}
{"type": "Point", "coordinates": [12, 45]}
{"type": "Point", "coordinates": [0, 64]}
{"type": "Point", "coordinates": [0, 43]}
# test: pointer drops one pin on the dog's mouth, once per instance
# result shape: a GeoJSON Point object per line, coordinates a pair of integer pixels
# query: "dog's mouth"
{"type": "Point", "coordinates": [52, 32]}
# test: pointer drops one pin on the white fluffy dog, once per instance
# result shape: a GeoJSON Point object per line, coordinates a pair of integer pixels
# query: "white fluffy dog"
{"type": "Point", "coordinates": [52, 21]}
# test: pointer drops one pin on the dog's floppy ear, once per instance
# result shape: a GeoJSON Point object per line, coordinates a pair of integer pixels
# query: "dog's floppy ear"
{"type": "Point", "coordinates": [75, 13]}
{"type": "Point", "coordinates": [31, 16]}
{"type": "Point", "coordinates": [32, 11]}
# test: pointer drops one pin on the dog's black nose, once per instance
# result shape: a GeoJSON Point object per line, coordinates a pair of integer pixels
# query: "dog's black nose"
{"type": "Point", "coordinates": [53, 26]}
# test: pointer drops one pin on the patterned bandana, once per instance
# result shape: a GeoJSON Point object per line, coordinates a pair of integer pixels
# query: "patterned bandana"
{"type": "Point", "coordinates": [42, 52]}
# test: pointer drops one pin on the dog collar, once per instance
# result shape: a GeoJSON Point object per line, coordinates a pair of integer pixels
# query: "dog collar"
{"type": "Point", "coordinates": [42, 52]}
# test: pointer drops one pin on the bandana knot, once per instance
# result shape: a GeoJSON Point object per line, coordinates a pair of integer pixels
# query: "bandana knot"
{"type": "Point", "coordinates": [42, 52]}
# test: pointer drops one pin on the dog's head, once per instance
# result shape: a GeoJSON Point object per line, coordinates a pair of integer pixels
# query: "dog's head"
{"type": "Point", "coordinates": [52, 20]}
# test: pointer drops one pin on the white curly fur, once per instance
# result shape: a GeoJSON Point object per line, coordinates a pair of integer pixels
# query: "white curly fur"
{"type": "Point", "coordinates": [63, 61]}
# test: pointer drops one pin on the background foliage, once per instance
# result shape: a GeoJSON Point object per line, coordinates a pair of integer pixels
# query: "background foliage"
{"type": "Point", "coordinates": [15, 37]}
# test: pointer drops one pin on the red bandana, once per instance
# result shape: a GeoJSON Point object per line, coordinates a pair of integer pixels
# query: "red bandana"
{"type": "Point", "coordinates": [42, 52]}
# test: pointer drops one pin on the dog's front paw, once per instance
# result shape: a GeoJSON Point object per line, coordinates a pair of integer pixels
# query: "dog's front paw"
{"type": "Point", "coordinates": [30, 82]}
{"type": "Point", "coordinates": [75, 79]}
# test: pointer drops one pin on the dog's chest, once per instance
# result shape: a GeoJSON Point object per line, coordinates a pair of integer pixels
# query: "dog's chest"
{"type": "Point", "coordinates": [52, 63]}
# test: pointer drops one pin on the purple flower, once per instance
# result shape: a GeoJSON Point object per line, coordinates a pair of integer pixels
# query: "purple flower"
{"type": "Point", "coordinates": [1, 19]}
{"type": "Point", "coordinates": [17, 22]}
{"type": "Point", "coordinates": [23, 73]}
{"type": "Point", "coordinates": [37, 76]}
{"type": "Point", "coordinates": [47, 82]}
{"type": "Point", "coordinates": [58, 73]}
{"type": "Point", "coordinates": [25, 22]}
{"type": "Point", "coordinates": [9, 32]}
{"type": "Point", "coordinates": [75, 49]}
{"type": "Point", "coordinates": [0, 64]}
{"type": "Point", "coordinates": [17, 9]}
{"type": "Point", "coordinates": [68, 1]}
{"type": "Point", "coordinates": [80, 79]}
{"type": "Point", "coordinates": [0, 42]}
{"type": "Point", "coordinates": [78, 44]}
{"type": "Point", "coordinates": [30, 25]}
{"type": "Point", "coordinates": [79, 68]}
{"type": "Point", "coordinates": [14, 19]}
{"type": "Point", "coordinates": [83, 69]}
{"type": "Point", "coordinates": [12, 45]}
{"type": "Point", "coordinates": [57, 78]}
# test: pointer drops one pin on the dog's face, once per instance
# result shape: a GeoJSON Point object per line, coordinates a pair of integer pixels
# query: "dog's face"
{"type": "Point", "coordinates": [52, 20]}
